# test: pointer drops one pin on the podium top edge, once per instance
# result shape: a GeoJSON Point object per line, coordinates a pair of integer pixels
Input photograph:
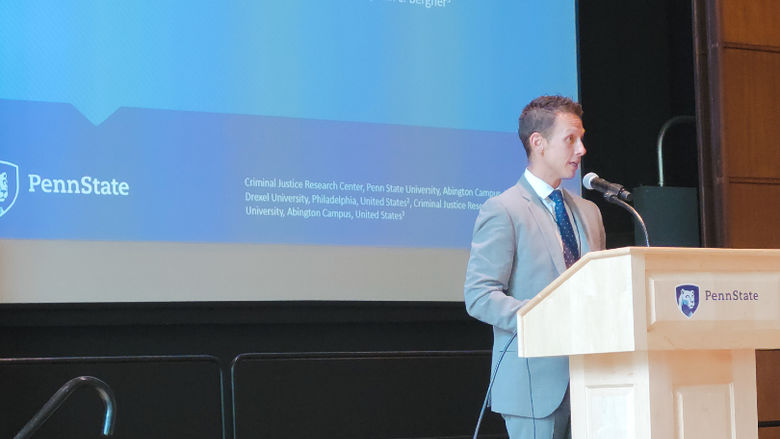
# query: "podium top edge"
{"type": "Point", "coordinates": [653, 253]}
{"type": "Point", "coordinates": [680, 251]}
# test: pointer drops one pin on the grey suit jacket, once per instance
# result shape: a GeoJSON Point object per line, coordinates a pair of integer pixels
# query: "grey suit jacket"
{"type": "Point", "coordinates": [515, 253]}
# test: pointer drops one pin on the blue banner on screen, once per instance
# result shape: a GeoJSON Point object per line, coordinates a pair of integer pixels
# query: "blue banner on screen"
{"type": "Point", "coordinates": [340, 122]}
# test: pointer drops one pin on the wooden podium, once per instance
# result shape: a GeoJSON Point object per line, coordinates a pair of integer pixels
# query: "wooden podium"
{"type": "Point", "coordinates": [661, 341]}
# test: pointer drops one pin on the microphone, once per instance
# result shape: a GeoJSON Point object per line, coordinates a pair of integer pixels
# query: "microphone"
{"type": "Point", "coordinates": [593, 182]}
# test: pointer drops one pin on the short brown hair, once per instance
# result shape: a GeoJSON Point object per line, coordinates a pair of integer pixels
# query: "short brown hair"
{"type": "Point", "coordinates": [539, 116]}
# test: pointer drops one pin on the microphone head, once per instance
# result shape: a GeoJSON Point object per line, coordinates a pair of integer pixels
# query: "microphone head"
{"type": "Point", "coordinates": [587, 179]}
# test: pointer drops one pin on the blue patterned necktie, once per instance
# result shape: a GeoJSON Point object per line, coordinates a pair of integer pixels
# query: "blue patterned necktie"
{"type": "Point", "coordinates": [570, 250]}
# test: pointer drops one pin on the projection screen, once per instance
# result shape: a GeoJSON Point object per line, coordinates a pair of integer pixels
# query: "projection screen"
{"type": "Point", "coordinates": [261, 150]}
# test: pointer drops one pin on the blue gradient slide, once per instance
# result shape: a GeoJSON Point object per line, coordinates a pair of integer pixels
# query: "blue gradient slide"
{"type": "Point", "coordinates": [334, 122]}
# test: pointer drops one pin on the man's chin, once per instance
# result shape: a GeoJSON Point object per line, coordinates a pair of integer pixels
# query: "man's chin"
{"type": "Point", "coordinates": [570, 172]}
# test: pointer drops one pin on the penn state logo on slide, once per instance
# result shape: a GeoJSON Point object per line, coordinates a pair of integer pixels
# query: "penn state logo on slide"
{"type": "Point", "coordinates": [9, 185]}
{"type": "Point", "coordinates": [687, 299]}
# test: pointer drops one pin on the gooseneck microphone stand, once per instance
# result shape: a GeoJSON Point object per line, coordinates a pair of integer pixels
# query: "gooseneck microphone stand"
{"type": "Point", "coordinates": [612, 197]}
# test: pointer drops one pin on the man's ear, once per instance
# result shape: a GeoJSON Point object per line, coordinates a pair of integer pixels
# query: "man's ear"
{"type": "Point", "coordinates": [536, 139]}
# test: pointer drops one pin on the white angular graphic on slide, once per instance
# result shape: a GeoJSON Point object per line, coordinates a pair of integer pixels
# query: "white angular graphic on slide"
{"type": "Point", "coordinates": [9, 185]}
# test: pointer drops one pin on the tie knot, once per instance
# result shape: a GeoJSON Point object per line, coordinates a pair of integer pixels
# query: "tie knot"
{"type": "Point", "coordinates": [556, 196]}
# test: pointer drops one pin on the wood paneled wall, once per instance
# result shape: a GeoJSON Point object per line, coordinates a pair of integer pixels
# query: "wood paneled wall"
{"type": "Point", "coordinates": [738, 109]}
{"type": "Point", "coordinates": [750, 111]}
{"type": "Point", "coordinates": [768, 380]}
{"type": "Point", "coordinates": [752, 22]}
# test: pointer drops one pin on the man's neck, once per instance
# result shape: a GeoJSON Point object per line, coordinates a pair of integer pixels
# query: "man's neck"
{"type": "Point", "coordinates": [552, 181]}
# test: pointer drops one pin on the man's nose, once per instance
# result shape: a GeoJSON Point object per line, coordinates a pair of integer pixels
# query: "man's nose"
{"type": "Point", "coordinates": [580, 150]}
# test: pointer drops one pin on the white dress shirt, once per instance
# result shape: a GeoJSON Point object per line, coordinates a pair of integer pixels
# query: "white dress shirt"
{"type": "Point", "coordinates": [543, 190]}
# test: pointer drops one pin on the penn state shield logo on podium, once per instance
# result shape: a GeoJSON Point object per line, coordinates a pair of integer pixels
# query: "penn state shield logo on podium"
{"type": "Point", "coordinates": [9, 186]}
{"type": "Point", "coordinates": [687, 299]}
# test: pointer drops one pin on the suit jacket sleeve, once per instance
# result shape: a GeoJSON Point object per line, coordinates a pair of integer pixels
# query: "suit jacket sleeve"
{"type": "Point", "coordinates": [601, 233]}
{"type": "Point", "coordinates": [493, 250]}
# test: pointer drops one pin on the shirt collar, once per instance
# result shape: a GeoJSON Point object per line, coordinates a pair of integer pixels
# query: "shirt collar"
{"type": "Point", "coordinates": [542, 189]}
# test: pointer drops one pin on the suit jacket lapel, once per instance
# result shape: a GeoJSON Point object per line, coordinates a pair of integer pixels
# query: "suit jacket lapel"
{"type": "Point", "coordinates": [547, 228]}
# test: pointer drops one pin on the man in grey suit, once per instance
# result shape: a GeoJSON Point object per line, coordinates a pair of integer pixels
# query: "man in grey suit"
{"type": "Point", "coordinates": [523, 239]}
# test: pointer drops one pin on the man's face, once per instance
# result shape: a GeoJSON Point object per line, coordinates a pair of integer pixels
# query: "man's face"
{"type": "Point", "coordinates": [557, 155]}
